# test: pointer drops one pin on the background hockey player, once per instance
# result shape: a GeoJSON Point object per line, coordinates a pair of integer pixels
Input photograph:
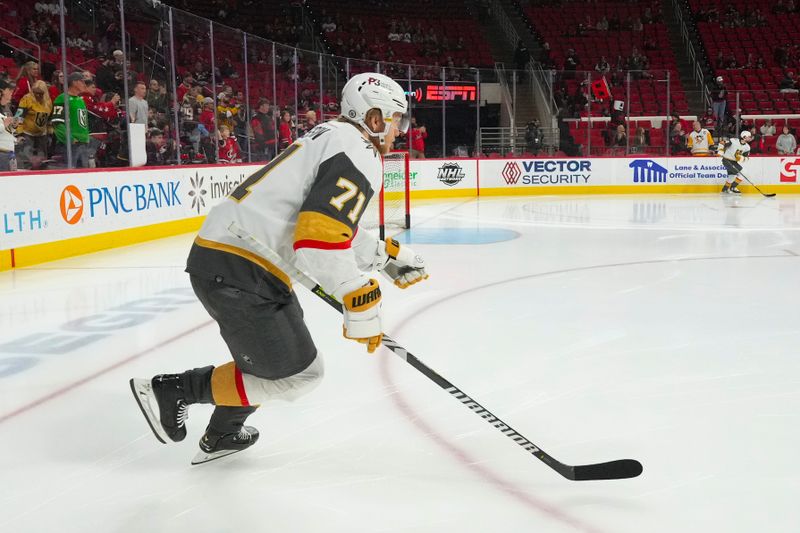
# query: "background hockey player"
{"type": "Point", "coordinates": [733, 152]}
{"type": "Point", "coordinates": [305, 205]}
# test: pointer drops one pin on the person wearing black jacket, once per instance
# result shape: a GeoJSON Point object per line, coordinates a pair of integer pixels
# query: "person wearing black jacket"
{"type": "Point", "coordinates": [533, 137]}
{"type": "Point", "coordinates": [719, 101]}
{"type": "Point", "coordinates": [263, 127]}
{"type": "Point", "coordinates": [521, 56]}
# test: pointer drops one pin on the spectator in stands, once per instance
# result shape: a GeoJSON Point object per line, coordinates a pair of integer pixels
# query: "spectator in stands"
{"type": "Point", "coordinates": [709, 121]}
{"type": "Point", "coordinates": [108, 109]}
{"type": "Point", "coordinates": [534, 137]}
{"type": "Point", "coordinates": [787, 143]}
{"type": "Point", "coordinates": [264, 131]}
{"type": "Point", "coordinates": [677, 139]}
{"type": "Point", "coordinates": [417, 136]}
{"type": "Point", "coordinates": [310, 123]}
{"type": "Point", "coordinates": [137, 105]}
{"type": "Point", "coordinates": [89, 77]}
{"type": "Point", "coordinates": [89, 94]}
{"type": "Point", "coordinates": [56, 84]}
{"type": "Point", "coordinates": [33, 112]}
{"type": "Point", "coordinates": [200, 73]}
{"type": "Point", "coordinates": [117, 60]}
{"type": "Point", "coordinates": [637, 62]}
{"type": "Point", "coordinates": [7, 108]}
{"type": "Point", "coordinates": [641, 140]}
{"type": "Point", "coordinates": [602, 66]}
{"type": "Point", "coordinates": [699, 140]}
{"type": "Point", "coordinates": [107, 77]}
{"type": "Point", "coordinates": [159, 150]}
{"type": "Point", "coordinates": [719, 101]}
{"type": "Point", "coordinates": [78, 122]}
{"type": "Point", "coordinates": [571, 62]}
{"type": "Point", "coordinates": [768, 128]}
{"type": "Point", "coordinates": [619, 137]}
{"type": "Point", "coordinates": [602, 24]}
{"type": "Point", "coordinates": [285, 131]}
{"type": "Point", "coordinates": [229, 151]}
{"type": "Point", "coordinates": [192, 103]}
{"type": "Point", "coordinates": [207, 116]}
{"type": "Point", "coordinates": [521, 56]}
{"type": "Point", "coordinates": [227, 112]}
{"type": "Point", "coordinates": [788, 83]}
{"type": "Point", "coordinates": [157, 96]}
{"type": "Point", "coordinates": [675, 120]}
{"type": "Point", "coordinates": [757, 144]}
{"type": "Point", "coordinates": [227, 70]}
{"type": "Point", "coordinates": [185, 86]}
{"type": "Point", "coordinates": [7, 140]}
{"type": "Point", "coordinates": [27, 75]}
{"type": "Point", "coordinates": [545, 58]}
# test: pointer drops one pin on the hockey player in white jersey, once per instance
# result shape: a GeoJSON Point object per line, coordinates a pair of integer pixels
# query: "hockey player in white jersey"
{"type": "Point", "coordinates": [733, 152]}
{"type": "Point", "coordinates": [305, 205]}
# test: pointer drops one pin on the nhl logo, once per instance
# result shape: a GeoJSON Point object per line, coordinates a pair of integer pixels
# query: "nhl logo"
{"type": "Point", "coordinates": [450, 174]}
{"type": "Point", "coordinates": [351, 114]}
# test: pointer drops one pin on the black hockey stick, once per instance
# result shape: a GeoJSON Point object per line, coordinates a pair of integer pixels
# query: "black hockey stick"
{"type": "Point", "coordinates": [770, 195]}
{"type": "Point", "coordinates": [620, 469]}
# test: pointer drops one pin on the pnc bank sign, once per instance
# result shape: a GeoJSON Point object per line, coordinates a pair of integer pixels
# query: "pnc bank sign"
{"type": "Point", "coordinates": [75, 204]}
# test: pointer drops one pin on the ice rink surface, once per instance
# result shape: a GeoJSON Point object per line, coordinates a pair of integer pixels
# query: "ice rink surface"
{"type": "Point", "coordinates": [660, 328]}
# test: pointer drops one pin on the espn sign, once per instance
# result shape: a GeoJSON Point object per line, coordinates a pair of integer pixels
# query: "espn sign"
{"type": "Point", "coordinates": [790, 169]}
{"type": "Point", "coordinates": [447, 93]}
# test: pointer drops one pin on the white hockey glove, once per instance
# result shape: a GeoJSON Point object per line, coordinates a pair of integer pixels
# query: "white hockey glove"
{"type": "Point", "coordinates": [401, 265]}
{"type": "Point", "coordinates": [362, 315]}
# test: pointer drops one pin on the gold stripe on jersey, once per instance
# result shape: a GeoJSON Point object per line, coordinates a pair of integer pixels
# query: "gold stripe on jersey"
{"type": "Point", "coordinates": [317, 230]}
{"type": "Point", "coordinates": [246, 254]}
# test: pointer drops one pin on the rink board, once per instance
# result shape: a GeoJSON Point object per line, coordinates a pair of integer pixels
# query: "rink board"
{"type": "Point", "coordinates": [56, 214]}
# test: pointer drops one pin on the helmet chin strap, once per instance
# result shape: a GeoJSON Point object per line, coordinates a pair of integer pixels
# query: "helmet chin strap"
{"type": "Point", "coordinates": [380, 135]}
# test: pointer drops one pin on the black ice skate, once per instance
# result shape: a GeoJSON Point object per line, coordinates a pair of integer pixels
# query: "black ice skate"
{"type": "Point", "coordinates": [734, 190]}
{"type": "Point", "coordinates": [215, 445]}
{"type": "Point", "coordinates": [163, 405]}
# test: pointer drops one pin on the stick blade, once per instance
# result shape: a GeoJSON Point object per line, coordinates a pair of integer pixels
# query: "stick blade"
{"type": "Point", "coordinates": [621, 469]}
{"type": "Point", "coordinates": [770, 195]}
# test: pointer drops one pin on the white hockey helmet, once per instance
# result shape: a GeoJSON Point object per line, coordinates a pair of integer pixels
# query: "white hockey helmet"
{"type": "Point", "coordinates": [746, 135]}
{"type": "Point", "coordinates": [371, 90]}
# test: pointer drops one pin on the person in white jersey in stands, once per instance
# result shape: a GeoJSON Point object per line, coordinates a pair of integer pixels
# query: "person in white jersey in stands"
{"type": "Point", "coordinates": [699, 140]}
{"type": "Point", "coordinates": [9, 124]}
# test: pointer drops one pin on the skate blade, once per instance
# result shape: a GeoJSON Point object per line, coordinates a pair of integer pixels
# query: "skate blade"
{"type": "Point", "coordinates": [203, 457]}
{"type": "Point", "coordinates": [142, 391]}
